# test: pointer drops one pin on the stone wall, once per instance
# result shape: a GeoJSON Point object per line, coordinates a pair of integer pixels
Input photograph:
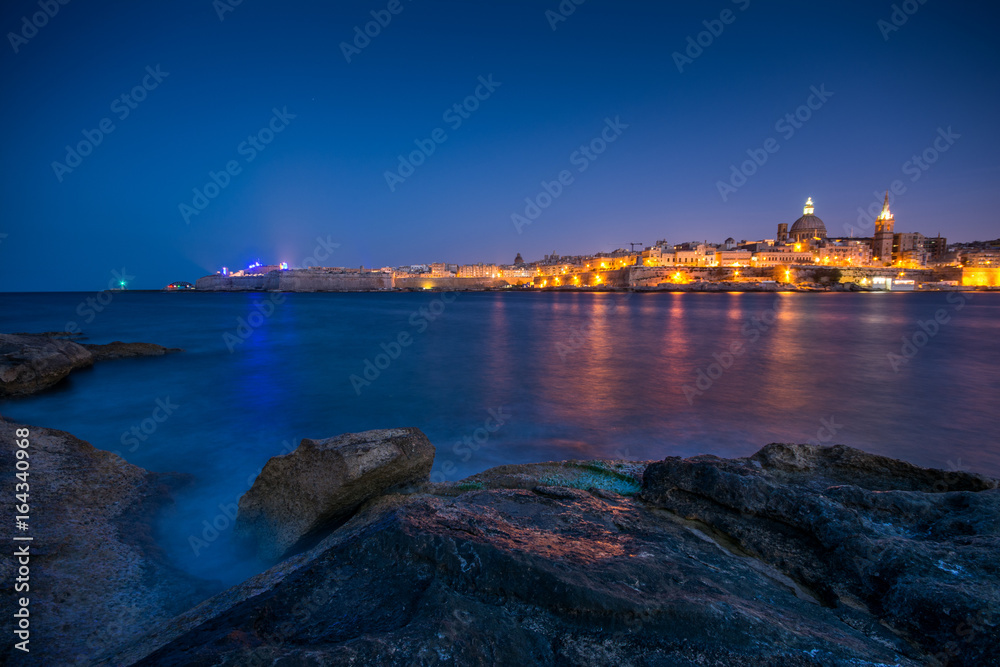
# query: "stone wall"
{"type": "Point", "coordinates": [451, 284]}
{"type": "Point", "coordinates": [297, 280]}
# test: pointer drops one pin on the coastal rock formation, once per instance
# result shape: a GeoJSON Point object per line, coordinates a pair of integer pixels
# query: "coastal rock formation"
{"type": "Point", "coordinates": [96, 579]}
{"type": "Point", "coordinates": [30, 363]}
{"type": "Point", "coordinates": [915, 549]}
{"type": "Point", "coordinates": [325, 481]}
{"type": "Point", "coordinates": [758, 561]}
{"type": "Point", "coordinates": [120, 350]}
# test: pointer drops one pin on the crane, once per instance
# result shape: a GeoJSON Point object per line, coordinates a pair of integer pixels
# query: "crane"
{"type": "Point", "coordinates": [633, 245]}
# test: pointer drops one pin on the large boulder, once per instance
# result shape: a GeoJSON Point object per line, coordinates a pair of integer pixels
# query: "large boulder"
{"type": "Point", "coordinates": [549, 564]}
{"type": "Point", "coordinates": [95, 577]}
{"type": "Point", "coordinates": [915, 548]}
{"type": "Point", "coordinates": [301, 494]}
{"type": "Point", "coordinates": [30, 363]}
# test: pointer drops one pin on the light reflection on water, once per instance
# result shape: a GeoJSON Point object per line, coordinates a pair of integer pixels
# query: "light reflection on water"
{"type": "Point", "coordinates": [581, 375]}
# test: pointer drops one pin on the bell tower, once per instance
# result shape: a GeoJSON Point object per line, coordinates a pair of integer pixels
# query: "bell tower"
{"type": "Point", "coordinates": [882, 241]}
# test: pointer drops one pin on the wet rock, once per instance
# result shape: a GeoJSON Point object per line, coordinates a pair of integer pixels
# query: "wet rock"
{"type": "Point", "coordinates": [96, 579]}
{"type": "Point", "coordinates": [914, 548]}
{"type": "Point", "coordinates": [572, 574]}
{"type": "Point", "coordinates": [299, 495]}
{"type": "Point", "coordinates": [31, 363]}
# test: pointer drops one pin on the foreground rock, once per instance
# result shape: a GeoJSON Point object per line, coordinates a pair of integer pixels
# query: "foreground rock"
{"type": "Point", "coordinates": [773, 560]}
{"type": "Point", "coordinates": [323, 482]}
{"type": "Point", "coordinates": [30, 363]}
{"type": "Point", "coordinates": [915, 549]}
{"type": "Point", "coordinates": [96, 580]}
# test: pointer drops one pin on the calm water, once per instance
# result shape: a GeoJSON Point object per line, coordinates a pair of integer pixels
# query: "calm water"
{"type": "Point", "coordinates": [569, 375]}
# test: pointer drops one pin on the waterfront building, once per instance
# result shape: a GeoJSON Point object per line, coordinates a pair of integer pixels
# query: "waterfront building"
{"type": "Point", "coordinates": [688, 254]}
{"type": "Point", "coordinates": [786, 254]}
{"type": "Point", "coordinates": [936, 247]}
{"type": "Point", "coordinates": [882, 241]}
{"type": "Point", "coordinates": [845, 252]}
{"type": "Point", "coordinates": [733, 257]}
{"type": "Point", "coordinates": [478, 271]}
{"type": "Point", "coordinates": [981, 257]}
{"type": "Point", "coordinates": [440, 270]}
{"type": "Point", "coordinates": [908, 250]}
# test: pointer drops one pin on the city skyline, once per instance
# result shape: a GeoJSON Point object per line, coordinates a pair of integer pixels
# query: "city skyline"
{"type": "Point", "coordinates": [173, 154]}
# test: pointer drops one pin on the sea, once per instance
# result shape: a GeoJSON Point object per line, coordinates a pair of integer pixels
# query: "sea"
{"type": "Point", "coordinates": [495, 378]}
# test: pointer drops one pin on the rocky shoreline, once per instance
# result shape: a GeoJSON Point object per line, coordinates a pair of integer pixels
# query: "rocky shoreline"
{"type": "Point", "coordinates": [30, 363]}
{"type": "Point", "coordinates": [797, 555]}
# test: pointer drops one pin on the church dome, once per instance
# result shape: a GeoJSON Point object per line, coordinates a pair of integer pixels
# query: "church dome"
{"type": "Point", "coordinates": [808, 226]}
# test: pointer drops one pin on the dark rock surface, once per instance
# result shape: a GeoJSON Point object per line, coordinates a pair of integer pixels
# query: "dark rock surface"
{"type": "Point", "coordinates": [795, 556]}
{"type": "Point", "coordinates": [30, 363]}
{"type": "Point", "coordinates": [96, 579]}
{"type": "Point", "coordinates": [915, 549]}
{"type": "Point", "coordinates": [120, 350]}
{"type": "Point", "coordinates": [325, 481]}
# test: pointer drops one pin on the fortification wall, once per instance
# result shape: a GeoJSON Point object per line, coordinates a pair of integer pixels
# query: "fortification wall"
{"type": "Point", "coordinates": [219, 283]}
{"type": "Point", "coordinates": [451, 284]}
{"type": "Point", "coordinates": [317, 280]}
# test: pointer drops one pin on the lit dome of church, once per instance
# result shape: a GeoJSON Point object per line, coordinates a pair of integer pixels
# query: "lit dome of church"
{"type": "Point", "coordinates": [808, 226]}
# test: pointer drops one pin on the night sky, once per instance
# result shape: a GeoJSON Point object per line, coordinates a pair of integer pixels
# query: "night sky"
{"type": "Point", "coordinates": [278, 72]}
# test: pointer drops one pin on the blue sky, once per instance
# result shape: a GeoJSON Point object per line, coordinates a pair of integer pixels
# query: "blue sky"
{"type": "Point", "coordinates": [888, 97]}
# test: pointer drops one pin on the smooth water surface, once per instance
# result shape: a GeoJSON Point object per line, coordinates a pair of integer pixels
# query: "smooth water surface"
{"type": "Point", "coordinates": [569, 375]}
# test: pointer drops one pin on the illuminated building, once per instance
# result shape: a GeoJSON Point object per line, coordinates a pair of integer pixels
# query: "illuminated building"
{"type": "Point", "coordinates": [782, 233]}
{"type": "Point", "coordinates": [808, 228]}
{"type": "Point", "coordinates": [985, 258]}
{"type": "Point", "coordinates": [908, 249]}
{"type": "Point", "coordinates": [440, 270]}
{"type": "Point", "coordinates": [779, 255]}
{"type": "Point", "coordinates": [733, 257]}
{"type": "Point", "coordinates": [845, 252]}
{"type": "Point", "coordinates": [478, 271]}
{"type": "Point", "coordinates": [882, 241]}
